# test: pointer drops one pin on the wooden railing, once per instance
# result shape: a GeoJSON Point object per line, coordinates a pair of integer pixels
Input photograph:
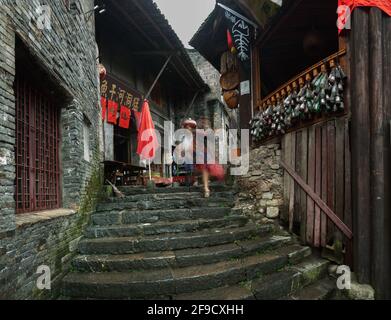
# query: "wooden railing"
{"type": "Point", "coordinates": [299, 80]}
{"type": "Point", "coordinates": [322, 205]}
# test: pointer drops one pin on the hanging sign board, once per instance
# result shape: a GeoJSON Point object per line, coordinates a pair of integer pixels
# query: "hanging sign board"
{"type": "Point", "coordinates": [245, 88]}
{"type": "Point", "coordinates": [241, 29]}
{"type": "Point", "coordinates": [115, 90]}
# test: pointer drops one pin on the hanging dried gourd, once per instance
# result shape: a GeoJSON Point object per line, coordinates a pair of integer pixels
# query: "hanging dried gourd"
{"type": "Point", "coordinates": [323, 92]}
{"type": "Point", "coordinates": [309, 97]}
{"type": "Point", "coordinates": [229, 62]}
{"type": "Point", "coordinates": [301, 100]}
{"type": "Point", "coordinates": [336, 86]}
{"type": "Point", "coordinates": [319, 85]}
{"type": "Point", "coordinates": [289, 105]}
{"type": "Point", "coordinates": [231, 98]}
{"type": "Point", "coordinates": [279, 113]}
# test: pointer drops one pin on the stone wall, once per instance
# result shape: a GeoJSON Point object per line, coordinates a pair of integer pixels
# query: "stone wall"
{"type": "Point", "coordinates": [66, 52]}
{"type": "Point", "coordinates": [261, 194]}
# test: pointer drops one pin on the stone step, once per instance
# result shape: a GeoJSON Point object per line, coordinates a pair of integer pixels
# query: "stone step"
{"type": "Point", "coordinates": [154, 204]}
{"type": "Point", "coordinates": [130, 190]}
{"type": "Point", "coordinates": [169, 196]}
{"type": "Point", "coordinates": [152, 216]}
{"type": "Point", "coordinates": [268, 287]}
{"type": "Point", "coordinates": [178, 258]}
{"type": "Point", "coordinates": [169, 282]}
{"type": "Point", "coordinates": [321, 290]}
{"type": "Point", "coordinates": [285, 283]}
{"type": "Point", "coordinates": [179, 241]}
{"type": "Point", "coordinates": [147, 229]}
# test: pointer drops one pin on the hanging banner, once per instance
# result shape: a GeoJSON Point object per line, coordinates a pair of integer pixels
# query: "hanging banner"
{"type": "Point", "coordinates": [241, 33]}
{"type": "Point", "coordinates": [112, 112]}
{"type": "Point", "coordinates": [103, 103]}
{"type": "Point", "coordinates": [124, 119]}
{"type": "Point", "coordinates": [343, 16]}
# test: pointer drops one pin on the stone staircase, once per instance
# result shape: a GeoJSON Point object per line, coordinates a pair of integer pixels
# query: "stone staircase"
{"type": "Point", "coordinates": [174, 244]}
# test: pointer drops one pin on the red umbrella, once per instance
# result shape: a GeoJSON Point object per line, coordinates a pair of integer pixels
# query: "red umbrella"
{"type": "Point", "coordinates": [147, 139]}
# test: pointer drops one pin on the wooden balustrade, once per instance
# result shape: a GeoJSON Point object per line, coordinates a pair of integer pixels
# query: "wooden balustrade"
{"type": "Point", "coordinates": [298, 81]}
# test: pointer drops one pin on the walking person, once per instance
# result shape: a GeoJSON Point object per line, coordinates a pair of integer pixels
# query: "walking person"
{"type": "Point", "coordinates": [208, 170]}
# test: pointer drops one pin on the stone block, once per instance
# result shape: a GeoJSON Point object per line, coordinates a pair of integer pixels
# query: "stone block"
{"type": "Point", "coordinates": [272, 213]}
{"type": "Point", "coordinates": [267, 196]}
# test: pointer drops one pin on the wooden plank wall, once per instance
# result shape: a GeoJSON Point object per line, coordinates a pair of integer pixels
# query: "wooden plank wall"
{"type": "Point", "coordinates": [320, 154]}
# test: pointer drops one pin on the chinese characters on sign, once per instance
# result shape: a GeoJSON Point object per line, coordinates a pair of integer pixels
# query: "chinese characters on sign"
{"type": "Point", "coordinates": [241, 33]}
{"type": "Point", "coordinates": [118, 97]}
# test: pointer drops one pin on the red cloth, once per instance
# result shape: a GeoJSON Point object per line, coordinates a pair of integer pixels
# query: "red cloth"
{"type": "Point", "coordinates": [113, 111]}
{"type": "Point", "coordinates": [230, 40]}
{"type": "Point", "coordinates": [103, 102]}
{"type": "Point", "coordinates": [138, 118]}
{"type": "Point", "coordinates": [147, 139]}
{"type": "Point", "coordinates": [124, 119]}
{"type": "Point", "coordinates": [215, 170]}
{"type": "Point", "coordinates": [384, 5]}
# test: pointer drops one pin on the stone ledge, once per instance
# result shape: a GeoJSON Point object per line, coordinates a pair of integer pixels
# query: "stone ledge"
{"type": "Point", "coordinates": [28, 219]}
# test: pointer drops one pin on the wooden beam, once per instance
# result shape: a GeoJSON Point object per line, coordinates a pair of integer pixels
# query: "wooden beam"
{"type": "Point", "coordinates": [322, 205]}
{"type": "Point", "coordinates": [158, 77]}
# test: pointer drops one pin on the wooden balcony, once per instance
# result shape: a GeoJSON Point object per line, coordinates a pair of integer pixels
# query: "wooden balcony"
{"type": "Point", "coordinates": [299, 80]}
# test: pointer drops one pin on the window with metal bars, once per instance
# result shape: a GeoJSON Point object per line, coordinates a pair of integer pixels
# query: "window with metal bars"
{"type": "Point", "coordinates": [37, 149]}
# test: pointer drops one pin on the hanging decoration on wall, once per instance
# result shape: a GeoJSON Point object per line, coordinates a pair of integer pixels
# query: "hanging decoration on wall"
{"type": "Point", "coordinates": [231, 45]}
{"type": "Point", "coordinates": [116, 93]}
{"type": "Point", "coordinates": [124, 119]}
{"type": "Point", "coordinates": [230, 79]}
{"type": "Point", "coordinates": [301, 101]}
{"type": "Point", "coordinates": [103, 103]}
{"type": "Point", "coordinates": [112, 112]}
{"type": "Point", "coordinates": [353, 4]}
{"type": "Point", "coordinates": [102, 72]}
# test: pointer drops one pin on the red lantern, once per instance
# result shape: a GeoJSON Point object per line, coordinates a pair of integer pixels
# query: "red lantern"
{"type": "Point", "coordinates": [102, 72]}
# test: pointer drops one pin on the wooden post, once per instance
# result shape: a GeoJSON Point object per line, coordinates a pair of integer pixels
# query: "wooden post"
{"type": "Point", "coordinates": [361, 144]}
{"type": "Point", "coordinates": [386, 65]}
{"type": "Point", "coordinates": [377, 143]}
{"type": "Point", "coordinates": [245, 107]}
{"type": "Point", "coordinates": [256, 78]}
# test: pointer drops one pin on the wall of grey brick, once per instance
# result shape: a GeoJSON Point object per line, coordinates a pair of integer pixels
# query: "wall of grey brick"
{"type": "Point", "coordinates": [68, 55]}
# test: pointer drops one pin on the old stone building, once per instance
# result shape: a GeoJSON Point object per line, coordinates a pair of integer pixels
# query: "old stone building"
{"type": "Point", "coordinates": [53, 142]}
{"type": "Point", "coordinates": [210, 104]}
{"type": "Point", "coordinates": [49, 137]}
